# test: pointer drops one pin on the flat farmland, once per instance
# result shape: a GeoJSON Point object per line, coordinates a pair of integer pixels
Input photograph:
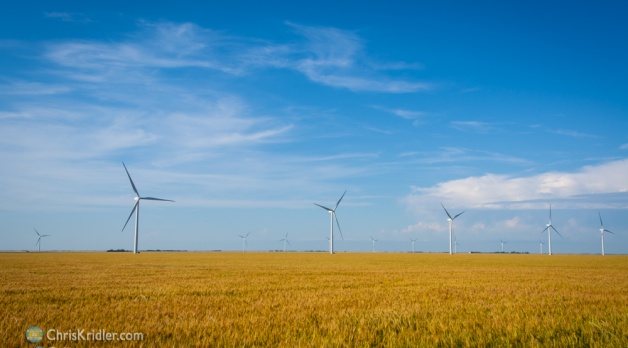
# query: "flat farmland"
{"type": "Point", "coordinates": [315, 299]}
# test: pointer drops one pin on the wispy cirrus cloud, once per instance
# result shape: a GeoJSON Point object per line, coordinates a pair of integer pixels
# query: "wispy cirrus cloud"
{"type": "Point", "coordinates": [336, 58]}
{"type": "Point", "coordinates": [68, 17]}
{"type": "Point", "coordinates": [457, 155]}
{"type": "Point", "coordinates": [413, 115]}
{"type": "Point", "coordinates": [571, 133]}
{"type": "Point", "coordinates": [474, 126]}
{"type": "Point", "coordinates": [578, 189]}
{"type": "Point", "coordinates": [327, 56]}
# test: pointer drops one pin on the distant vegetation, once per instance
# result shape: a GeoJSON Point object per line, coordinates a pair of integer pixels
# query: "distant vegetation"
{"type": "Point", "coordinates": [315, 299]}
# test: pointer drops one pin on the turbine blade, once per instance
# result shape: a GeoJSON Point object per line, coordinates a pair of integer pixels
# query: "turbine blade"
{"type": "Point", "coordinates": [457, 215]}
{"type": "Point", "coordinates": [36, 231]}
{"type": "Point", "coordinates": [338, 223]}
{"type": "Point", "coordinates": [337, 203]}
{"type": "Point", "coordinates": [132, 211]}
{"type": "Point", "coordinates": [550, 216]}
{"type": "Point", "coordinates": [131, 180]}
{"type": "Point", "coordinates": [609, 231]}
{"type": "Point", "coordinates": [323, 207]}
{"type": "Point", "coordinates": [600, 215]}
{"type": "Point", "coordinates": [248, 234]}
{"type": "Point", "coordinates": [555, 230]}
{"type": "Point", "coordinates": [287, 241]}
{"type": "Point", "coordinates": [446, 212]}
{"type": "Point", "coordinates": [156, 199]}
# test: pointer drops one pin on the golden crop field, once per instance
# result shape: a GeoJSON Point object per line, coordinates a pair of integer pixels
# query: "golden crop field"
{"type": "Point", "coordinates": [316, 299]}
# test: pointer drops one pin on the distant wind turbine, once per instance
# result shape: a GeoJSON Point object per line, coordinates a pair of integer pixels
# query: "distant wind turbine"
{"type": "Point", "coordinates": [549, 227]}
{"type": "Point", "coordinates": [374, 240]}
{"type": "Point", "coordinates": [501, 240]}
{"type": "Point", "coordinates": [285, 240]}
{"type": "Point", "coordinates": [332, 216]}
{"type": "Point", "coordinates": [541, 246]}
{"type": "Point", "coordinates": [602, 230]}
{"type": "Point", "coordinates": [136, 208]}
{"type": "Point", "coordinates": [413, 240]}
{"type": "Point", "coordinates": [40, 237]}
{"type": "Point", "coordinates": [455, 245]}
{"type": "Point", "coordinates": [451, 227]}
{"type": "Point", "coordinates": [244, 242]}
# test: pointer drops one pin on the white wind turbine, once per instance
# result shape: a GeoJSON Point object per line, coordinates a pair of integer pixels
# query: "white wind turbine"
{"type": "Point", "coordinates": [501, 240]}
{"type": "Point", "coordinates": [549, 227]}
{"type": "Point", "coordinates": [602, 230]}
{"type": "Point", "coordinates": [40, 237]}
{"type": "Point", "coordinates": [136, 208]}
{"type": "Point", "coordinates": [332, 216]}
{"type": "Point", "coordinates": [285, 240]}
{"type": "Point", "coordinates": [413, 241]}
{"type": "Point", "coordinates": [455, 245]}
{"type": "Point", "coordinates": [451, 227]}
{"type": "Point", "coordinates": [541, 246]}
{"type": "Point", "coordinates": [373, 240]}
{"type": "Point", "coordinates": [244, 242]}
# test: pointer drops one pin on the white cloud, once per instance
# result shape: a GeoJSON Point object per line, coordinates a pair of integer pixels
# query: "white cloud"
{"type": "Point", "coordinates": [474, 126]}
{"type": "Point", "coordinates": [572, 133]}
{"type": "Point", "coordinates": [336, 58]}
{"type": "Point", "coordinates": [603, 185]}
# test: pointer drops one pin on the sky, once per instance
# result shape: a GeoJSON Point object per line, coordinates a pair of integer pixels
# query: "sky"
{"type": "Point", "coordinates": [245, 113]}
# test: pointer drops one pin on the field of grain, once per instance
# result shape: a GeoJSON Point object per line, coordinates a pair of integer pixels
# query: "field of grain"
{"type": "Point", "coordinates": [316, 299]}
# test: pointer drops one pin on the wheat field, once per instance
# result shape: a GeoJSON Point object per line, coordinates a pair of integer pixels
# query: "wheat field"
{"type": "Point", "coordinates": [316, 300]}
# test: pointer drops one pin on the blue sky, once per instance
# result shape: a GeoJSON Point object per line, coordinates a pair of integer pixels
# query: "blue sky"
{"type": "Point", "coordinates": [245, 114]}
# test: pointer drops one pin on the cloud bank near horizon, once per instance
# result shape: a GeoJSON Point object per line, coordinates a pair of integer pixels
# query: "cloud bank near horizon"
{"type": "Point", "coordinates": [600, 186]}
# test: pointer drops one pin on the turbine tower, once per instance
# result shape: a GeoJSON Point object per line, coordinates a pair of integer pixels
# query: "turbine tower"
{"type": "Point", "coordinates": [136, 208]}
{"type": "Point", "coordinates": [285, 240]}
{"type": "Point", "coordinates": [332, 216]}
{"type": "Point", "coordinates": [549, 227]}
{"type": "Point", "coordinates": [40, 237]}
{"type": "Point", "coordinates": [455, 245]}
{"type": "Point", "coordinates": [373, 240]}
{"type": "Point", "coordinates": [413, 241]}
{"type": "Point", "coordinates": [541, 246]}
{"type": "Point", "coordinates": [244, 242]}
{"type": "Point", "coordinates": [602, 230]}
{"type": "Point", "coordinates": [451, 227]}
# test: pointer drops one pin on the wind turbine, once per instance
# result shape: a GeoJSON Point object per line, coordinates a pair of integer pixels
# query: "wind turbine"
{"type": "Point", "coordinates": [455, 245]}
{"type": "Point", "coordinates": [136, 208]}
{"type": "Point", "coordinates": [602, 230]}
{"type": "Point", "coordinates": [541, 245]}
{"type": "Point", "coordinates": [40, 237]}
{"type": "Point", "coordinates": [549, 227]}
{"type": "Point", "coordinates": [244, 240]}
{"type": "Point", "coordinates": [332, 216]}
{"type": "Point", "coordinates": [501, 240]}
{"type": "Point", "coordinates": [451, 226]}
{"type": "Point", "coordinates": [413, 240]}
{"type": "Point", "coordinates": [285, 240]}
{"type": "Point", "coordinates": [374, 240]}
